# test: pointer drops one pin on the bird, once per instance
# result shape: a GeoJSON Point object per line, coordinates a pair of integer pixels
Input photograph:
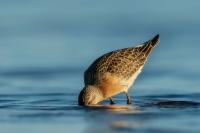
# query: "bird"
{"type": "Point", "coordinates": [114, 72]}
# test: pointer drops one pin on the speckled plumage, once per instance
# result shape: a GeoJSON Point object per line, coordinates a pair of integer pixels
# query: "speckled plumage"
{"type": "Point", "coordinates": [115, 72]}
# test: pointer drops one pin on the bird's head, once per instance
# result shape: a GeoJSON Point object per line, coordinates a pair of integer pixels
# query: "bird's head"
{"type": "Point", "coordinates": [89, 95]}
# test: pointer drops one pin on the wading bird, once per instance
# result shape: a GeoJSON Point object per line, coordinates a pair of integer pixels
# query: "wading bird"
{"type": "Point", "coordinates": [114, 72]}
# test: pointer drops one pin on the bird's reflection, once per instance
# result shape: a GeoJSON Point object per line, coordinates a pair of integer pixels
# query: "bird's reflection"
{"type": "Point", "coordinates": [109, 118]}
{"type": "Point", "coordinates": [114, 108]}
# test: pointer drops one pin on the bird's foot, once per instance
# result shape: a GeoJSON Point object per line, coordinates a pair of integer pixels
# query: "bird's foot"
{"type": "Point", "coordinates": [128, 100]}
{"type": "Point", "coordinates": [111, 101]}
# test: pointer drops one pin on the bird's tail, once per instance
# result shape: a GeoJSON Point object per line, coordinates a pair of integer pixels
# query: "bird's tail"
{"type": "Point", "coordinates": [149, 45]}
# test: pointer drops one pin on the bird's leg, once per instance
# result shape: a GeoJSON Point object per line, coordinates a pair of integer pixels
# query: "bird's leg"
{"type": "Point", "coordinates": [128, 98]}
{"type": "Point", "coordinates": [111, 101]}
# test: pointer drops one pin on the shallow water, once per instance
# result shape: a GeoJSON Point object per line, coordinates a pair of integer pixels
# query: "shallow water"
{"type": "Point", "coordinates": [45, 46]}
{"type": "Point", "coordinates": [35, 106]}
{"type": "Point", "coordinates": [59, 111]}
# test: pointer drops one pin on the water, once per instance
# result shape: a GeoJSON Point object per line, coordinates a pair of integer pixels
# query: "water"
{"type": "Point", "coordinates": [45, 46]}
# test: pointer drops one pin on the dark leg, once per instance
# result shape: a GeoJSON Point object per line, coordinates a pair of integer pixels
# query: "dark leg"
{"type": "Point", "coordinates": [111, 101]}
{"type": "Point", "coordinates": [128, 98]}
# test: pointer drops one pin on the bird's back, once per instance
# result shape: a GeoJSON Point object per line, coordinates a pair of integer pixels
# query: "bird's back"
{"type": "Point", "coordinates": [122, 63]}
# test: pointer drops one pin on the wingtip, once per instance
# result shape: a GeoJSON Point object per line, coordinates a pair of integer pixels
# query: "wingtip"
{"type": "Point", "coordinates": [157, 36]}
{"type": "Point", "coordinates": [155, 39]}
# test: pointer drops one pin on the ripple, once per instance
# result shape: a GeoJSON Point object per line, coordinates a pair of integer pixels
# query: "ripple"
{"type": "Point", "coordinates": [191, 95]}
{"type": "Point", "coordinates": [63, 105]}
{"type": "Point", "coordinates": [177, 104]}
{"type": "Point", "coordinates": [113, 108]}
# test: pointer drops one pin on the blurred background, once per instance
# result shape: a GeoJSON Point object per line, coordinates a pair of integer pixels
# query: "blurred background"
{"type": "Point", "coordinates": [45, 46]}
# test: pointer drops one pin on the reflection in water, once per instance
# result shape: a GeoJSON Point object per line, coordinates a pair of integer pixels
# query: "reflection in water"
{"type": "Point", "coordinates": [143, 115]}
{"type": "Point", "coordinates": [108, 118]}
{"type": "Point", "coordinates": [114, 108]}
